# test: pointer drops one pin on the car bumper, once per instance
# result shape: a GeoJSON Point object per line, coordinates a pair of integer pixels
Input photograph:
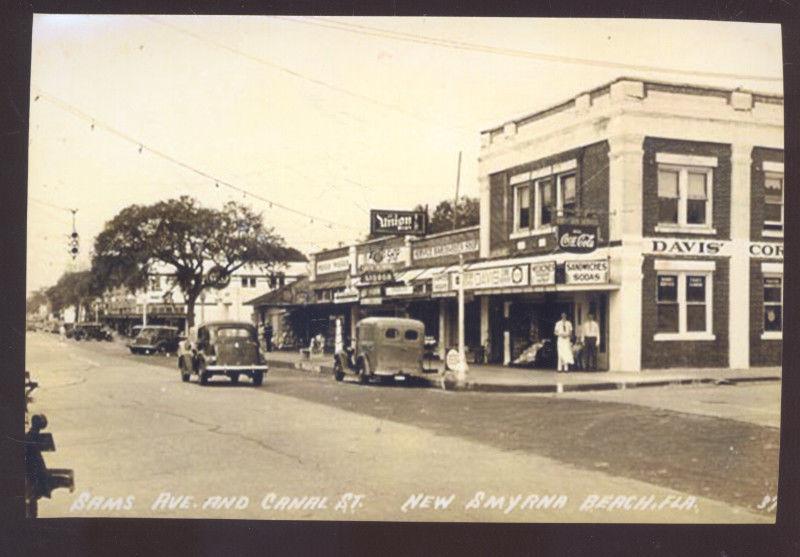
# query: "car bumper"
{"type": "Point", "coordinates": [222, 368]}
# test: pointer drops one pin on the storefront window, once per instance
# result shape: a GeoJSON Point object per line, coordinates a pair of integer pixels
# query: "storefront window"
{"type": "Point", "coordinates": [683, 302]}
{"type": "Point", "coordinates": [773, 304]}
{"type": "Point", "coordinates": [667, 301]}
{"type": "Point", "coordinates": [695, 303]}
{"type": "Point", "coordinates": [773, 202]}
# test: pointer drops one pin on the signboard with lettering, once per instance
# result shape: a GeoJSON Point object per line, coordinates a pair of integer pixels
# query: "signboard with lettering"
{"type": "Point", "coordinates": [443, 250]}
{"type": "Point", "coordinates": [405, 290]}
{"type": "Point", "coordinates": [376, 277]}
{"type": "Point", "coordinates": [375, 301]}
{"type": "Point", "coordinates": [767, 250]}
{"type": "Point", "coordinates": [440, 283]}
{"type": "Point", "coordinates": [498, 277]}
{"type": "Point", "coordinates": [379, 258]}
{"type": "Point", "coordinates": [586, 272]}
{"type": "Point", "coordinates": [398, 222]}
{"type": "Point", "coordinates": [543, 273]}
{"type": "Point", "coordinates": [576, 238]}
{"type": "Point", "coordinates": [345, 296]}
{"type": "Point", "coordinates": [327, 266]}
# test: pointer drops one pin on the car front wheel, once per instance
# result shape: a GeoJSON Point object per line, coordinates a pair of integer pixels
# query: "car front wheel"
{"type": "Point", "coordinates": [203, 373]}
{"type": "Point", "coordinates": [258, 378]}
{"type": "Point", "coordinates": [363, 373]}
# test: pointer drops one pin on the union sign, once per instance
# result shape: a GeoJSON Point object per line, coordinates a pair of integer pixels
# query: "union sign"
{"type": "Point", "coordinates": [398, 222]}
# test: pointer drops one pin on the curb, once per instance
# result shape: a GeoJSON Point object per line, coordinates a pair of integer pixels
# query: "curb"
{"type": "Point", "coordinates": [548, 388]}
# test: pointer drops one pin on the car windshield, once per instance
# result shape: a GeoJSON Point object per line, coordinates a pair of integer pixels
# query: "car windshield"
{"type": "Point", "coordinates": [231, 332]}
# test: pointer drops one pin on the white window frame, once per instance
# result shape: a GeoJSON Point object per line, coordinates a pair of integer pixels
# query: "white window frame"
{"type": "Point", "coordinates": [772, 335]}
{"type": "Point", "coordinates": [534, 181]}
{"type": "Point", "coordinates": [515, 194]}
{"type": "Point", "coordinates": [683, 165]}
{"type": "Point", "coordinates": [774, 170]}
{"type": "Point", "coordinates": [681, 270]}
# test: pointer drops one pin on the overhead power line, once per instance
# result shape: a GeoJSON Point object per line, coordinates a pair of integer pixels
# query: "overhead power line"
{"type": "Point", "coordinates": [517, 53]}
{"type": "Point", "coordinates": [142, 146]}
{"type": "Point", "coordinates": [294, 73]}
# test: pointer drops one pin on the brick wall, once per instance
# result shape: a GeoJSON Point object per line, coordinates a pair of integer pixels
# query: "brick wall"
{"type": "Point", "coordinates": [721, 186]}
{"type": "Point", "coordinates": [592, 177]}
{"type": "Point", "coordinates": [664, 354]}
{"type": "Point", "coordinates": [762, 352]}
{"type": "Point", "coordinates": [760, 154]}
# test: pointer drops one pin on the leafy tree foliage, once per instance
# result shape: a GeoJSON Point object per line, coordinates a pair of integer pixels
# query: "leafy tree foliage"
{"type": "Point", "coordinates": [442, 218]}
{"type": "Point", "coordinates": [37, 299]}
{"type": "Point", "coordinates": [201, 247]}
{"type": "Point", "coordinates": [73, 290]}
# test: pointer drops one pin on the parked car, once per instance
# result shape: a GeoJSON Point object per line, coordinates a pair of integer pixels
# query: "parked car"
{"type": "Point", "coordinates": [155, 339]}
{"type": "Point", "coordinates": [386, 347]}
{"type": "Point", "coordinates": [222, 348]}
{"type": "Point", "coordinates": [91, 331]}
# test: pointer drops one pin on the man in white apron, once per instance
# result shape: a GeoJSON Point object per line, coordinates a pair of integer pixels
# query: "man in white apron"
{"type": "Point", "coordinates": [563, 331]}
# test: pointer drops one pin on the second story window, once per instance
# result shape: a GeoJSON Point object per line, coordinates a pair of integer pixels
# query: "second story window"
{"type": "Point", "coordinates": [773, 203]}
{"type": "Point", "coordinates": [685, 186]}
{"type": "Point", "coordinates": [539, 197]}
{"type": "Point", "coordinates": [248, 282]}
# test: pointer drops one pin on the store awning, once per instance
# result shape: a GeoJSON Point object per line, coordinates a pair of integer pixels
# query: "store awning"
{"type": "Point", "coordinates": [547, 288]}
{"type": "Point", "coordinates": [294, 293]}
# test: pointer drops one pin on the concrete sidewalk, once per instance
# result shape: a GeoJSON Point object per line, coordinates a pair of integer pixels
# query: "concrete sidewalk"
{"type": "Point", "coordinates": [491, 378]}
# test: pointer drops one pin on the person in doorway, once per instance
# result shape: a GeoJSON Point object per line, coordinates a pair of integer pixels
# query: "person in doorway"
{"type": "Point", "coordinates": [591, 338]}
{"type": "Point", "coordinates": [268, 336]}
{"type": "Point", "coordinates": [563, 332]}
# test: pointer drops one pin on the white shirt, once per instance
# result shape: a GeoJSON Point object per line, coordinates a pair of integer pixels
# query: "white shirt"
{"type": "Point", "coordinates": [563, 327]}
{"type": "Point", "coordinates": [591, 329]}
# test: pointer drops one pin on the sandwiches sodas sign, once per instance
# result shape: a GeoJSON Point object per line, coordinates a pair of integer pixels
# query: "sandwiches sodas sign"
{"type": "Point", "coordinates": [397, 222]}
{"type": "Point", "coordinates": [576, 238]}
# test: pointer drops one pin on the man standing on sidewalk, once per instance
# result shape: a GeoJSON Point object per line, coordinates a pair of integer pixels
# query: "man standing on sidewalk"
{"type": "Point", "coordinates": [268, 336]}
{"type": "Point", "coordinates": [591, 338]}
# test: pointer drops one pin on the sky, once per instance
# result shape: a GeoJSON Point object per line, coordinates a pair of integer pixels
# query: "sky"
{"type": "Point", "coordinates": [327, 116]}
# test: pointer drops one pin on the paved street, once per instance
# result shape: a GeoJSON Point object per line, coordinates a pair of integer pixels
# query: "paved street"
{"type": "Point", "coordinates": [129, 427]}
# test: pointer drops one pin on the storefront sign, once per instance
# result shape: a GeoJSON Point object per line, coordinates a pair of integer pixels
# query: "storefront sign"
{"type": "Point", "coordinates": [371, 301]}
{"type": "Point", "coordinates": [577, 238]}
{"type": "Point", "coordinates": [543, 274]}
{"type": "Point", "coordinates": [345, 296]}
{"type": "Point", "coordinates": [333, 265]}
{"type": "Point", "coordinates": [688, 247]}
{"type": "Point", "coordinates": [380, 258]}
{"type": "Point", "coordinates": [443, 250]}
{"type": "Point", "coordinates": [376, 277]}
{"type": "Point", "coordinates": [405, 290]}
{"type": "Point", "coordinates": [398, 222]}
{"type": "Point", "coordinates": [586, 272]}
{"type": "Point", "coordinates": [768, 250]}
{"type": "Point", "coordinates": [499, 277]}
{"type": "Point", "coordinates": [440, 283]}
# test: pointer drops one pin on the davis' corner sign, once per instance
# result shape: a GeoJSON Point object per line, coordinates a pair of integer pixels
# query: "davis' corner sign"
{"type": "Point", "coordinates": [576, 238]}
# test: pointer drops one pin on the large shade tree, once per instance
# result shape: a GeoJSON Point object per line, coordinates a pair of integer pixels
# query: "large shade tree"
{"type": "Point", "coordinates": [199, 247]}
{"type": "Point", "coordinates": [468, 214]}
{"type": "Point", "coordinates": [73, 289]}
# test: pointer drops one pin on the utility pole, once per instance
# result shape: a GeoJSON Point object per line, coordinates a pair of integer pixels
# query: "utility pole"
{"type": "Point", "coordinates": [458, 183]}
{"type": "Point", "coordinates": [462, 356]}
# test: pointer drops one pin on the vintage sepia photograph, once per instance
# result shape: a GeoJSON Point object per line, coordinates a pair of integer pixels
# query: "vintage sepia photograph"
{"type": "Point", "coordinates": [404, 269]}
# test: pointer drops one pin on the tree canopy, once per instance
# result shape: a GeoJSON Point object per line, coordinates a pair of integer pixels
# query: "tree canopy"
{"type": "Point", "coordinates": [199, 246]}
{"type": "Point", "coordinates": [442, 218]}
{"type": "Point", "coordinates": [73, 289]}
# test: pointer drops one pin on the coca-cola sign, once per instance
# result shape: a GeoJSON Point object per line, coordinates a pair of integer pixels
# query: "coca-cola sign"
{"type": "Point", "coordinates": [577, 238]}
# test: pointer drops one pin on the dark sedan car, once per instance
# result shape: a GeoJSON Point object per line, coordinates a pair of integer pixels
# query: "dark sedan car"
{"type": "Point", "coordinates": [222, 348]}
{"type": "Point", "coordinates": [91, 331]}
{"type": "Point", "coordinates": [155, 339]}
